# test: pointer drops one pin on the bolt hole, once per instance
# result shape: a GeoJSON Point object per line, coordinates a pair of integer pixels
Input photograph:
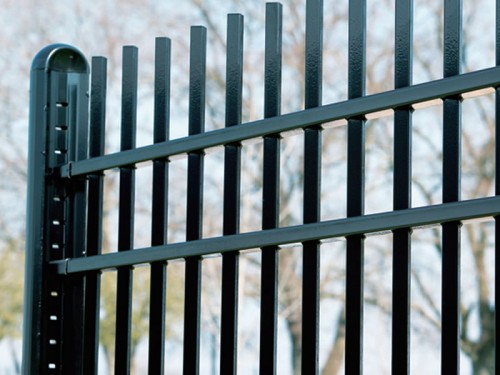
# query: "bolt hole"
{"type": "Point", "coordinates": [61, 104]}
{"type": "Point", "coordinates": [53, 317]}
{"type": "Point", "coordinates": [61, 127]}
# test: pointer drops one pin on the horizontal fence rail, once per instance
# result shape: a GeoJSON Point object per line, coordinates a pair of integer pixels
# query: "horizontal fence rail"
{"type": "Point", "coordinates": [373, 223]}
{"type": "Point", "coordinates": [452, 86]}
{"type": "Point", "coordinates": [67, 245]}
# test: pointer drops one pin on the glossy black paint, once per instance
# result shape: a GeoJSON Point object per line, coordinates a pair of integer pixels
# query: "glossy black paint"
{"type": "Point", "coordinates": [95, 212]}
{"type": "Point", "coordinates": [159, 209]}
{"type": "Point", "coordinates": [65, 197]}
{"type": "Point", "coordinates": [126, 211]}
{"type": "Point", "coordinates": [271, 190]}
{"type": "Point", "coordinates": [355, 190]}
{"type": "Point", "coordinates": [401, 276]}
{"type": "Point", "coordinates": [231, 214]}
{"type": "Point", "coordinates": [312, 188]}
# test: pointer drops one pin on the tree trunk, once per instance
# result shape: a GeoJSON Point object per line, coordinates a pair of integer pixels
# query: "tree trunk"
{"type": "Point", "coordinates": [484, 364]}
{"type": "Point", "coordinates": [295, 329]}
{"type": "Point", "coordinates": [336, 354]}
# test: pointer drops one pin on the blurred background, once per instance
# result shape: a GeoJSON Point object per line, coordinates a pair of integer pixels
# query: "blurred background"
{"type": "Point", "coordinates": [102, 27]}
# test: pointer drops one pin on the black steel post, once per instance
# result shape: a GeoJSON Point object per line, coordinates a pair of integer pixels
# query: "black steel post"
{"type": "Point", "coordinates": [58, 130]}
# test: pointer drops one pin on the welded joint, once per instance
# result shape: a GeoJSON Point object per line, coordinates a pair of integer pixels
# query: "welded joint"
{"type": "Point", "coordinates": [62, 266]}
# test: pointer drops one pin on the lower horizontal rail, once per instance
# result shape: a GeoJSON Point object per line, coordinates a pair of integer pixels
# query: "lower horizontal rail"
{"type": "Point", "coordinates": [380, 222]}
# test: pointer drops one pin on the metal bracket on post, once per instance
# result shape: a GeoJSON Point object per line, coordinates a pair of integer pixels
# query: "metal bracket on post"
{"type": "Point", "coordinates": [56, 208]}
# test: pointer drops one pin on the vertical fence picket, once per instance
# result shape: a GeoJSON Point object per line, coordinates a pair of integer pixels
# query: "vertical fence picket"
{"type": "Point", "coordinates": [497, 193]}
{"type": "Point", "coordinates": [312, 188]}
{"type": "Point", "coordinates": [126, 212]}
{"type": "Point", "coordinates": [197, 79]}
{"type": "Point", "coordinates": [231, 215]}
{"type": "Point", "coordinates": [452, 46]}
{"type": "Point", "coordinates": [355, 189]}
{"type": "Point", "coordinates": [157, 301]}
{"type": "Point", "coordinates": [400, 359]}
{"type": "Point", "coordinates": [270, 187]}
{"type": "Point", "coordinates": [95, 213]}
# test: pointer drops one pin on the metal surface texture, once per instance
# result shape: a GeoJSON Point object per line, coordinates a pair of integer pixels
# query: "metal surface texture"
{"type": "Point", "coordinates": [66, 177]}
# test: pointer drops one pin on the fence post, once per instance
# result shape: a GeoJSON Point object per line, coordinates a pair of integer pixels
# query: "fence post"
{"type": "Point", "coordinates": [58, 134]}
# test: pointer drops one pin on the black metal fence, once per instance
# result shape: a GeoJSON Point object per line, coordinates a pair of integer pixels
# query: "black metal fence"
{"type": "Point", "coordinates": [65, 199]}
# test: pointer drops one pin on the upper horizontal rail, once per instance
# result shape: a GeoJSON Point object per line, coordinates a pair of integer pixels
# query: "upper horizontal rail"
{"type": "Point", "coordinates": [409, 218]}
{"type": "Point", "coordinates": [401, 97]}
